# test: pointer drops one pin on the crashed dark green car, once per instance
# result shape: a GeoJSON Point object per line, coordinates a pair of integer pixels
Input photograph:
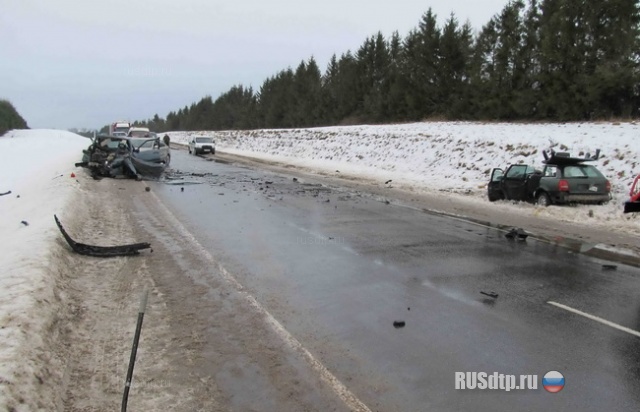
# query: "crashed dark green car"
{"type": "Point", "coordinates": [562, 180]}
{"type": "Point", "coordinates": [114, 156]}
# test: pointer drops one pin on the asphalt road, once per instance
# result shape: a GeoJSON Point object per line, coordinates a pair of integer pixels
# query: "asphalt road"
{"type": "Point", "coordinates": [337, 268]}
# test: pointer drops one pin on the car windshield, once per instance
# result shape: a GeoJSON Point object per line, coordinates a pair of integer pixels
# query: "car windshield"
{"type": "Point", "coordinates": [111, 144]}
{"type": "Point", "coordinates": [204, 140]}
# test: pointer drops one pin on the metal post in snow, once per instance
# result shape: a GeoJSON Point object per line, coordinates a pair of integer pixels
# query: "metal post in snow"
{"type": "Point", "coordinates": [134, 349]}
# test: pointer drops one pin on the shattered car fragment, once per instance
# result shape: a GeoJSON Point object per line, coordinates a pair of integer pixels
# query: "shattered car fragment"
{"type": "Point", "coordinates": [101, 251]}
{"type": "Point", "coordinates": [114, 156]}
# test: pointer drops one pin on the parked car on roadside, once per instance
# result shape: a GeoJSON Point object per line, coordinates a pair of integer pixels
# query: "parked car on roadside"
{"type": "Point", "coordinates": [202, 144]}
{"type": "Point", "coordinates": [563, 179]}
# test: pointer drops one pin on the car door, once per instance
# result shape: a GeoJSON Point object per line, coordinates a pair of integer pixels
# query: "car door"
{"type": "Point", "coordinates": [514, 183]}
{"type": "Point", "coordinates": [149, 150]}
{"type": "Point", "coordinates": [494, 191]}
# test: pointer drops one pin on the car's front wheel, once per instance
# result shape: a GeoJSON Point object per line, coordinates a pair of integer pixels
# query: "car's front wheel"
{"type": "Point", "coordinates": [543, 199]}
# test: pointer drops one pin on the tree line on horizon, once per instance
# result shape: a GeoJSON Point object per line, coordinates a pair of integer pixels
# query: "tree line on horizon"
{"type": "Point", "coordinates": [548, 60]}
{"type": "Point", "coordinates": [10, 118]}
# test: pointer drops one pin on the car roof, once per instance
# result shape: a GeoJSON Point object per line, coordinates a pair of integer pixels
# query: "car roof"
{"type": "Point", "coordinates": [563, 159]}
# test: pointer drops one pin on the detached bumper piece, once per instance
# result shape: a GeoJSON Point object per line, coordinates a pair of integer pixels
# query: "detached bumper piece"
{"type": "Point", "coordinates": [101, 251]}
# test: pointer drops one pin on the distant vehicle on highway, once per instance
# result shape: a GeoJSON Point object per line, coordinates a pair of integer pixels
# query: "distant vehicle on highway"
{"type": "Point", "coordinates": [202, 144]}
{"type": "Point", "coordinates": [119, 127]}
{"type": "Point", "coordinates": [563, 179]}
{"type": "Point", "coordinates": [140, 132]}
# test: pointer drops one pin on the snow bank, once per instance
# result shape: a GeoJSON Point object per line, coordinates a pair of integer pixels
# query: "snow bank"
{"type": "Point", "coordinates": [451, 157]}
{"type": "Point", "coordinates": [35, 165]}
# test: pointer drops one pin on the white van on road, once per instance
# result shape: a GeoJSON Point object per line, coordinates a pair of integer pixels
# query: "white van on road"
{"type": "Point", "coordinates": [202, 144]}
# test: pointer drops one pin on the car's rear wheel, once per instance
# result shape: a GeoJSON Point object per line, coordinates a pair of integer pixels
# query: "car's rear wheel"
{"type": "Point", "coordinates": [543, 199]}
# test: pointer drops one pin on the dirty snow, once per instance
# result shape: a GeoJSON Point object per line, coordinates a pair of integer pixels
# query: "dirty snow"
{"type": "Point", "coordinates": [35, 165]}
{"type": "Point", "coordinates": [452, 158]}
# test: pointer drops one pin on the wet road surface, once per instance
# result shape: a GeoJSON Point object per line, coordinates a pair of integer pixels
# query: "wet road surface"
{"type": "Point", "coordinates": [337, 268]}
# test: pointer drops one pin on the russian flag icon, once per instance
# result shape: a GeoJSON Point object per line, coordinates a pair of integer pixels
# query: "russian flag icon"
{"type": "Point", "coordinates": [553, 381]}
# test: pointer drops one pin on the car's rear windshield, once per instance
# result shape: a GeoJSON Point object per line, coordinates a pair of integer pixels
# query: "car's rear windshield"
{"type": "Point", "coordinates": [582, 171]}
{"type": "Point", "coordinates": [140, 133]}
{"type": "Point", "coordinates": [204, 140]}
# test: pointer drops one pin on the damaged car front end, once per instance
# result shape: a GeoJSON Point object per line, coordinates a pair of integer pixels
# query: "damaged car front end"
{"type": "Point", "coordinates": [114, 156]}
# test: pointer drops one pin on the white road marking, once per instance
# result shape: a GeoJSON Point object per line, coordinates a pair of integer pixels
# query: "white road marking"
{"type": "Point", "coordinates": [595, 318]}
{"type": "Point", "coordinates": [334, 383]}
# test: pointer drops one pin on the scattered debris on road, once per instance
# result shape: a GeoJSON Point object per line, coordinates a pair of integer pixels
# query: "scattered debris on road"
{"type": "Point", "coordinates": [516, 233]}
{"type": "Point", "coordinates": [398, 324]}
{"type": "Point", "coordinates": [490, 294]}
{"type": "Point", "coordinates": [24, 222]}
{"type": "Point", "coordinates": [5, 193]}
{"type": "Point", "coordinates": [609, 267]}
{"type": "Point", "coordinates": [101, 251]}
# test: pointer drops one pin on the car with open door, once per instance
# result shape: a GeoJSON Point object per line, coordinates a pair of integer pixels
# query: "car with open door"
{"type": "Point", "coordinates": [563, 179]}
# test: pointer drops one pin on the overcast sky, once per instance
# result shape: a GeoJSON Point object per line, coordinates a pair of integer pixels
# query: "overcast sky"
{"type": "Point", "coordinates": [73, 63]}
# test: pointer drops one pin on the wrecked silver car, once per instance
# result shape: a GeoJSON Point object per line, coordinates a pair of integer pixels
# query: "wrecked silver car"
{"type": "Point", "coordinates": [114, 156]}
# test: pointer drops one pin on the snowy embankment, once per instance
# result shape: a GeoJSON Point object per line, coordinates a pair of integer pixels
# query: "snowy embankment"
{"type": "Point", "coordinates": [35, 165]}
{"type": "Point", "coordinates": [451, 157]}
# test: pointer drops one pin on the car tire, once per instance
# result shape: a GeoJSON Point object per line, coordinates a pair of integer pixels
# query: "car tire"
{"type": "Point", "coordinates": [189, 148]}
{"type": "Point", "coordinates": [543, 199]}
{"type": "Point", "coordinates": [213, 151]}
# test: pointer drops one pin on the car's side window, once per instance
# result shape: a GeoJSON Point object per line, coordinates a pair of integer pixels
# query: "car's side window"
{"type": "Point", "coordinates": [516, 172]}
{"type": "Point", "coordinates": [550, 171]}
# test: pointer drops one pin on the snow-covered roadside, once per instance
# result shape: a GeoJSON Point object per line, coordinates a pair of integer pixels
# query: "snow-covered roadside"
{"type": "Point", "coordinates": [451, 158]}
{"type": "Point", "coordinates": [36, 166]}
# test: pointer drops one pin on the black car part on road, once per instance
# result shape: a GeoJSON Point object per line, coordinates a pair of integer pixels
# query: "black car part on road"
{"type": "Point", "coordinates": [101, 251]}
